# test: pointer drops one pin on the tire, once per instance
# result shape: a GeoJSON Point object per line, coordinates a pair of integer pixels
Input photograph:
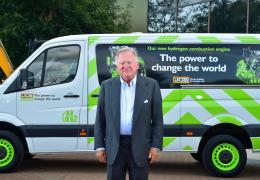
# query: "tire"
{"type": "Point", "coordinates": [28, 156]}
{"type": "Point", "coordinates": [224, 156]}
{"type": "Point", "coordinates": [197, 157]}
{"type": "Point", "coordinates": [11, 151]}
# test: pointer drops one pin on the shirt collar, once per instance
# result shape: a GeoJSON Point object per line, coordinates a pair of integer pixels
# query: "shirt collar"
{"type": "Point", "coordinates": [132, 82]}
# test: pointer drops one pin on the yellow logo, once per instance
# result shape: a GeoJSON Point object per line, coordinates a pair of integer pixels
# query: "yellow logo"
{"type": "Point", "coordinates": [181, 79]}
{"type": "Point", "coordinates": [27, 97]}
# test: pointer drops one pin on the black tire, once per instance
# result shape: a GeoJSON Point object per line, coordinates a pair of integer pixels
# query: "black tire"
{"type": "Point", "coordinates": [28, 156]}
{"type": "Point", "coordinates": [197, 157]}
{"type": "Point", "coordinates": [224, 156]}
{"type": "Point", "coordinates": [11, 151]}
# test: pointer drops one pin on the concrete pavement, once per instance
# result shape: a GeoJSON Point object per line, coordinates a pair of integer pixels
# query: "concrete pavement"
{"type": "Point", "coordinates": [84, 166]}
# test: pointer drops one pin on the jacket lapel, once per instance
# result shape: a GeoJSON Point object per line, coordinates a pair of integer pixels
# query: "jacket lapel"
{"type": "Point", "coordinates": [139, 93]}
{"type": "Point", "coordinates": [115, 102]}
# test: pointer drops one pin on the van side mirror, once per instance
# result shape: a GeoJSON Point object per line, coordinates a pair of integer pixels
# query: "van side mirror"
{"type": "Point", "coordinates": [23, 79]}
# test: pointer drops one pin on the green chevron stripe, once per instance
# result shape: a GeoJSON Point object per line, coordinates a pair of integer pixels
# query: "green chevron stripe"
{"type": "Point", "coordinates": [126, 40]}
{"type": "Point", "coordinates": [92, 39]}
{"type": "Point", "coordinates": [92, 101]}
{"type": "Point", "coordinates": [92, 67]}
{"type": "Point", "coordinates": [207, 102]}
{"type": "Point", "coordinates": [170, 101]}
{"type": "Point", "coordinates": [166, 39]}
{"type": "Point", "coordinates": [90, 140]}
{"type": "Point", "coordinates": [187, 148]}
{"type": "Point", "coordinates": [248, 39]}
{"type": "Point", "coordinates": [167, 141]}
{"type": "Point", "coordinates": [255, 142]}
{"type": "Point", "coordinates": [209, 39]}
{"type": "Point", "coordinates": [189, 119]}
{"type": "Point", "coordinates": [229, 119]}
{"type": "Point", "coordinates": [245, 100]}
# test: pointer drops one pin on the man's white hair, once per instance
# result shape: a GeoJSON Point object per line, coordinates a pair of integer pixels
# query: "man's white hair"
{"type": "Point", "coordinates": [126, 49]}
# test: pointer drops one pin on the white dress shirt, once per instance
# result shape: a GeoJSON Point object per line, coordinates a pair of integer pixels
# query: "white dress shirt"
{"type": "Point", "coordinates": [127, 98]}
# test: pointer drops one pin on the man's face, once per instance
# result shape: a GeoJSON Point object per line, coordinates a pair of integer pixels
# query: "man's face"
{"type": "Point", "coordinates": [127, 65]}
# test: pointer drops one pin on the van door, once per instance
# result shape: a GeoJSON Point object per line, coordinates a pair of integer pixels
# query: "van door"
{"type": "Point", "coordinates": [194, 101]}
{"type": "Point", "coordinates": [208, 68]}
{"type": "Point", "coordinates": [50, 106]}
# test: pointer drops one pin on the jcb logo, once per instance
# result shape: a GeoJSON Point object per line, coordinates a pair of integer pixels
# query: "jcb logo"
{"type": "Point", "coordinates": [27, 97]}
{"type": "Point", "coordinates": [181, 79]}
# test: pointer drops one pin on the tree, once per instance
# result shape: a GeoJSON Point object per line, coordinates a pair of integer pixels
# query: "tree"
{"type": "Point", "coordinates": [195, 18]}
{"type": "Point", "coordinates": [227, 16]}
{"type": "Point", "coordinates": [21, 20]}
{"type": "Point", "coordinates": [254, 17]}
{"type": "Point", "coordinates": [161, 16]}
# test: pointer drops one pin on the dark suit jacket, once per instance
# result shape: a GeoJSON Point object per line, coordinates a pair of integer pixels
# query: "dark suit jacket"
{"type": "Point", "coordinates": [147, 126]}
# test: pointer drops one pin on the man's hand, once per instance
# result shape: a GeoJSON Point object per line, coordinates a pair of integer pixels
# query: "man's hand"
{"type": "Point", "coordinates": [101, 155]}
{"type": "Point", "coordinates": [153, 155]}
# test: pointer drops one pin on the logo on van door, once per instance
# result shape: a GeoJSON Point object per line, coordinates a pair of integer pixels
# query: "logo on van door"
{"type": "Point", "coordinates": [181, 79]}
{"type": "Point", "coordinates": [69, 116]}
{"type": "Point", "coordinates": [27, 97]}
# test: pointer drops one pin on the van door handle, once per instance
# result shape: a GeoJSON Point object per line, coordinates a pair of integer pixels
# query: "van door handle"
{"type": "Point", "coordinates": [94, 95]}
{"type": "Point", "coordinates": [71, 96]}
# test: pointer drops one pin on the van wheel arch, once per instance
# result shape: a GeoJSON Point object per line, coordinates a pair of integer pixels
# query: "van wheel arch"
{"type": "Point", "coordinates": [197, 156]}
{"type": "Point", "coordinates": [17, 131]}
{"type": "Point", "coordinates": [226, 129]}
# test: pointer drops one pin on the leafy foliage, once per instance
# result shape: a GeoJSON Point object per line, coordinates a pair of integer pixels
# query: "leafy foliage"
{"type": "Point", "coordinates": [161, 16]}
{"type": "Point", "coordinates": [227, 16]}
{"type": "Point", "coordinates": [21, 20]}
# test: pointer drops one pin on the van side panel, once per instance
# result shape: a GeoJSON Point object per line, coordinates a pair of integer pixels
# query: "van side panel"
{"type": "Point", "coordinates": [189, 112]}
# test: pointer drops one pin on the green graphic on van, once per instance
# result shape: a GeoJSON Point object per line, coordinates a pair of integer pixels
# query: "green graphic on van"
{"type": "Point", "coordinates": [187, 148]}
{"type": "Point", "coordinates": [167, 141]}
{"type": "Point", "coordinates": [248, 69]}
{"type": "Point", "coordinates": [91, 140]}
{"type": "Point", "coordinates": [255, 143]}
{"type": "Point", "coordinates": [69, 116]}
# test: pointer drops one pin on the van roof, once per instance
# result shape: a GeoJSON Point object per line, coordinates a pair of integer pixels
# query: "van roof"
{"type": "Point", "coordinates": [180, 36]}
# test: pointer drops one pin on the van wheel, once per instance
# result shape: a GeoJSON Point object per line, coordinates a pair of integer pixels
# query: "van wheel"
{"type": "Point", "coordinates": [28, 156]}
{"type": "Point", "coordinates": [224, 156]}
{"type": "Point", "coordinates": [11, 151]}
{"type": "Point", "coordinates": [197, 157]}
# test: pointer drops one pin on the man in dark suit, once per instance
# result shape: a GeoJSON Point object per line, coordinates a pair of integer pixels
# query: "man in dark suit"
{"type": "Point", "coordinates": [129, 121]}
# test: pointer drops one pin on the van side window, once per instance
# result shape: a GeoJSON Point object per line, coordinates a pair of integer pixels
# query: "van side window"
{"type": "Point", "coordinates": [61, 65]}
{"type": "Point", "coordinates": [35, 72]}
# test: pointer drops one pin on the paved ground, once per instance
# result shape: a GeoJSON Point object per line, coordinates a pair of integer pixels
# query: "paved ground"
{"type": "Point", "coordinates": [85, 167]}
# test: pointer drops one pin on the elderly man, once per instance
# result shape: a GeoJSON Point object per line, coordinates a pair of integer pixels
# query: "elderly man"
{"type": "Point", "coordinates": [129, 121]}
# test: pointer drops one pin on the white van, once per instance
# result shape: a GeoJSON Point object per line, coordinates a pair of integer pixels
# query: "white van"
{"type": "Point", "coordinates": [209, 85]}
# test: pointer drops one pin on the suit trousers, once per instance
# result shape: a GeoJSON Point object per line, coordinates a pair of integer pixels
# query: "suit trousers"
{"type": "Point", "coordinates": [125, 162]}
